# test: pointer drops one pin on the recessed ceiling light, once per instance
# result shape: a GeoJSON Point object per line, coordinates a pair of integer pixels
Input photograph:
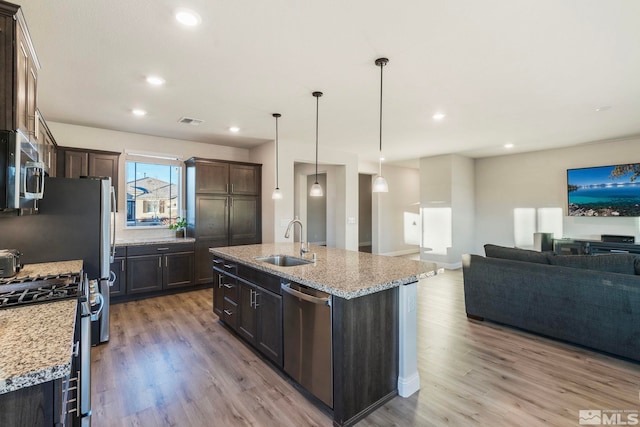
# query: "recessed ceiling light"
{"type": "Point", "coordinates": [234, 129]}
{"type": "Point", "coordinates": [439, 116]}
{"type": "Point", "coordinates": [155, 80]}
{"type": "Point", "coordinates": [138, 112]}
{"type": "Point", "coordinates": [188, 17]}
{"type": "Point", "coordinates": [604, 108]}
{"type": "Point", "coordinates": [508, 145]}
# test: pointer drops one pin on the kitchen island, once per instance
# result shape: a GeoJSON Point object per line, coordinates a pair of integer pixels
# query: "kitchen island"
{"type": "Point", "coordinates": [373, 316]}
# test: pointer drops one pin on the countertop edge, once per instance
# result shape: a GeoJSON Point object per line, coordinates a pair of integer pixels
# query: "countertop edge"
{"type": "Point", "coordinates": [36, 377]}
{"type": "Point", "coordinates": [324, 288]}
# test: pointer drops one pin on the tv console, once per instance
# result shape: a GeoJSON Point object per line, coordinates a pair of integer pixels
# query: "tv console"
{"type": "Point", "coordinates": [592, 247]}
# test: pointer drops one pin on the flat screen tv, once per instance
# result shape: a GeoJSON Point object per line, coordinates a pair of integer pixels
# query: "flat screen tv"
{"type": "Point", "coordinates": [604, 190]}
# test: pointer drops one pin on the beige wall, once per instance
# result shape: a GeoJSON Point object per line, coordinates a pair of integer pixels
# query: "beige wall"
{"type": "Point", "coordinates": [538, 180]}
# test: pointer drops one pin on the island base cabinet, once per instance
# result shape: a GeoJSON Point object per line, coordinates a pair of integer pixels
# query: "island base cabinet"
{"type": "Point", "coordinates": [269, 325]}
{"type": "Point", "coordinates": [365, 354]}
{"type": "Point", "coordinates": [37, 405]}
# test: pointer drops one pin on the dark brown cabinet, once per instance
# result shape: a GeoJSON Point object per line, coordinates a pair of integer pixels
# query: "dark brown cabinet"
{"type": "Point", "coordinates": [118, 267]}
{"type": "Point", "coordinates": [249, 302]}
{"type": "Point", "coordinates": [156, 267]}
{"type": "Point", "coordinates": [77, 162]}
{"type": "Point", "coordinates": [223, 208]}
{"type": "Point", "coordinates": [47, 146]}
{"type": "Point", "coordinates": [18, 73]}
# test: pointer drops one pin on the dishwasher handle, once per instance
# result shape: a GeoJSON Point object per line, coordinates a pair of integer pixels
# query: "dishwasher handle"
{"type": "Point", "coordinates": [316, 300]}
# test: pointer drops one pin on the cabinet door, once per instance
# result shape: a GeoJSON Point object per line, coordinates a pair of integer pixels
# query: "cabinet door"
{"type": "Point", "coordinates": [247, 319]}
{"type": "Point", "coordinates": [204, 265]}
{"type": "Point", "coordinates": [22, 70]}
{"type": "Point", "coordinates": [76, 164]}
{"type": "Point", "coordinates": [212, 177]}
{"type": "Point", "coordinates": [144, 273]}
{"type": "Point", "coordinates": [105, 165]}
{"type": "Point", "coordinates": [244, 179]}
{"type": "Point", "coordinates": [32, 92]}
{"type": "Point", "coordinates": [178, 270]}
{"type": "Point", "coordinates": [212, 218]}
{"type": "Point", "coordinates": [244, 221]}
{"type": "Point", "coordinates": [269, 325]}
{"type": "Point", "coordinates": [119, 287]}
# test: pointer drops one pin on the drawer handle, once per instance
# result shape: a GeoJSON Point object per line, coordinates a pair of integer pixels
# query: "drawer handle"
{"type": "Point", "coordinates": [217, 261]}
{"type": "Point", "coordinates": [229, 266]}
{"type": "Point", "coordinates": [162, 249]}
{"type": "Point", "coordinates": [228, 312]}
{"type": "Point", "coordinates": [228, 285]}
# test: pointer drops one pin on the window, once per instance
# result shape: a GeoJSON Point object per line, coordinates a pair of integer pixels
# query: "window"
{"type": "Point", "coordinates": [153, 193]}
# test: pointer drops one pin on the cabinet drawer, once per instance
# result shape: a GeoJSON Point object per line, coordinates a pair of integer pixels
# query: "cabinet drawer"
{"type": "Point", "coordinates": [230, 313]}
{"type": "Point", "coordinates": [230, 287]}
{"type": "Point", "coordinates": [120, 251]}
{"type": "Point", "coordinates": [159, 249]}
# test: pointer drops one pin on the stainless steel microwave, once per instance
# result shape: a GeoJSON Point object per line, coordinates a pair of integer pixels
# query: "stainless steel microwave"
{"type": "Point", "coordinates": [21, 174]}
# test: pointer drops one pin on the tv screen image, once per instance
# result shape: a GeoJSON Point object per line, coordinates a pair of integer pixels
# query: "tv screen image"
{"type": "Point", "coordinates": [604, 190]}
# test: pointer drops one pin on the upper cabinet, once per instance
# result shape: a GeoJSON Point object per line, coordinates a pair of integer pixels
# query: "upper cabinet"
{"type": "Point", "coordinates": [217, 177]}
{"type": "Point", "coordinates": [47, 146]}
{"type": "Point", "coordinates": [77, 162]}
{"type": "Point", "coordinates": [18, 73]}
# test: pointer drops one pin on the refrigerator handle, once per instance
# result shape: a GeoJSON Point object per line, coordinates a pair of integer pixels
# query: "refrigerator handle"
{"type": "Point", "coordinates": [113, 225]}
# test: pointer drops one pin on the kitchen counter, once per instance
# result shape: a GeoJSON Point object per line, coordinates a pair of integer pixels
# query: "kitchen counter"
{"type": "Point", "coordinates": [35, 343]}
{"type": "Point", "coordinates": [153, 240]}
{"type": "Point", "coordinates": [347, 274]}
{"type": "Point", "coordinates": [45, 269]}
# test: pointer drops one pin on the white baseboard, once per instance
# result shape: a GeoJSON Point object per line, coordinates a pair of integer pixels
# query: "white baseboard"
{"type": "Point", "coordinates": [408, 386]}
{"type": "Point", "coordinates": [404, 252]}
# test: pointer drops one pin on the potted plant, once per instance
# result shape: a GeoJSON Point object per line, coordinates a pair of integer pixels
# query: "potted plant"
{"type": "Point", "coordinates": [180, 224]}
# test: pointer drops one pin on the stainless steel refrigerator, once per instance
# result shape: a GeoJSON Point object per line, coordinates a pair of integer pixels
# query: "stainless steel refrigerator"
{"type": "Point", "coordinates": [74, 221]}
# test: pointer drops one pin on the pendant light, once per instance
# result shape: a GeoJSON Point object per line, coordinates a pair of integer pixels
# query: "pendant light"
{"type": "Point", "coordinates": [380, 184]}
{"type": "Point", "coordinates": [277, 194]}
{"type": "Point", "coordinates": [316, 189]}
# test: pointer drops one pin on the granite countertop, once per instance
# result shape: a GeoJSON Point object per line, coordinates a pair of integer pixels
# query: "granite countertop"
{"type": "Point", "coordinates": [45, 269]}
{"type": "Point", "coordinates": [35, 343]}
{"type": "Point", "coordinates": [153, 240]}
{"type": "Point", "coordinates": [347, 274]}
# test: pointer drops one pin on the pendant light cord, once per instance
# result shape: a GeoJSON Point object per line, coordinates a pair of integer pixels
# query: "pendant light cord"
{"type": "Point", "coordinates": [381, 67]}
{"type": "Point", "coordinates": [317, 115]}
{"type": "Point", "coordinates": [277, 180]}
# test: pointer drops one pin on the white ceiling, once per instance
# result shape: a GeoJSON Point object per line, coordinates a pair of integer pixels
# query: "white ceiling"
{"type": "Point", "coordinates": [531, 73]}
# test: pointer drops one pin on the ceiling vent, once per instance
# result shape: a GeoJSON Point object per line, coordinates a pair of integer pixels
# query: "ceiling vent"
{"type": "Point", "coordinates": [190, 121]}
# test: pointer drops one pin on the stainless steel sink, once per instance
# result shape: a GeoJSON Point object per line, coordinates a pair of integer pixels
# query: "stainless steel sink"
{"type": "Point", "coordinates": [283, 260]}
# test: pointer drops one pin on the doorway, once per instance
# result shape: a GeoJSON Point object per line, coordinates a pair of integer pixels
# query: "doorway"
{"type": "Point", "coordinates": [365, 206]}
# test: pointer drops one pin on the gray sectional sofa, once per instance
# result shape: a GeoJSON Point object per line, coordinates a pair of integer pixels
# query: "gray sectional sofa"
{"type": "Point", "coordinates": [588, 300]}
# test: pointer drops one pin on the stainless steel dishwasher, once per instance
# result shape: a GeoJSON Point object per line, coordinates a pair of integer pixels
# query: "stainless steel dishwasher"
{"type": "Point", "coordinates": [307, 339]}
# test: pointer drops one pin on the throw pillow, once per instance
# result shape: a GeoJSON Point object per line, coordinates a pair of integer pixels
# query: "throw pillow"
{"type": "Point", "coordinates": [515, 254]}
{"type": "Point", "coordinates": [612, 263]}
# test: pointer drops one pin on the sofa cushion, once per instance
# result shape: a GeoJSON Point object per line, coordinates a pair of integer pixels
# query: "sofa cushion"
{"type": "Point", "coordinates": [637, 264]}
{"type": "Point", "coordinates": [515, 254]}
{"type": "Point", "coordinates": [612, 263]}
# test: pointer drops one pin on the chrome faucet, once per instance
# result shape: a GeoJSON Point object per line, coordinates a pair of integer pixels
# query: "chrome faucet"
{"type": "Point", "coordinates": [303, 248]}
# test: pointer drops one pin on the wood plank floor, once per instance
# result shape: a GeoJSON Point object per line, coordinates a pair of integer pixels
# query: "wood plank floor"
{"type": "Point", "coordinates": [169, 363]}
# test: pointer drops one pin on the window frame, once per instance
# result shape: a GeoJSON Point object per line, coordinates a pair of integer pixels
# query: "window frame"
{"type": "Point", "coordinates": [162, 160]}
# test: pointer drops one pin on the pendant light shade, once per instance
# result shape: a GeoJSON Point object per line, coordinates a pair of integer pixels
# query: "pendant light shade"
{"type": "Point", "coordinates": [277, 194]}
{"type": "Point", "coordinates": [316, 188]}
{"type": "Point", "coordinates": [380, 184]}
